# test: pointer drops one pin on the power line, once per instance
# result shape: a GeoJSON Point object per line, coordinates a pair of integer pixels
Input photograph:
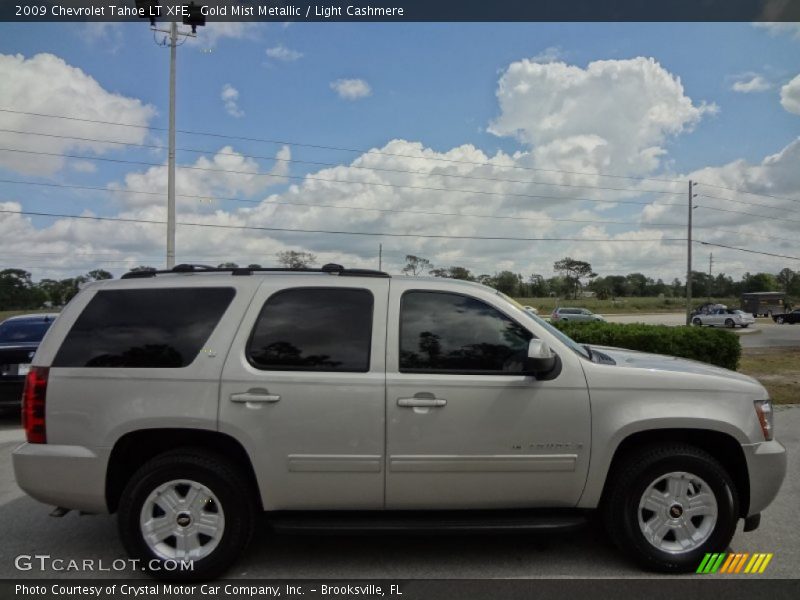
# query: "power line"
{"type": "Point", "coordinates": [741, 191]}
{"type": "Point", "coordinates": [748, 203]}
{"type": "Point", "coordinates": [334, 232]}
{"type": "Point", "coordinates": [739, 212]}
{"type": "Point", "coordinates": [749, 251]}
{"type": "Point", "coordinates": [339, 207]}
{"type": "Point", "coordinates": [344, 181]}
{"type": "Point", "coordinates": [320, 163]}
{"type": "Point", "coordinates": [338, 149]}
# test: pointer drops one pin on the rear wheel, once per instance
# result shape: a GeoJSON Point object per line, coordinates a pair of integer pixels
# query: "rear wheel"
{"type": "Point", "coordinates": [666, 506]}
{"type": "Point", "coordinates": [729, 323]}
{"type": "Point", "coordinates": [696, 321]}
{"type": "Point", "coordinates": [187, 505]}
{"type": "Point", "coordinates": [779, 320]}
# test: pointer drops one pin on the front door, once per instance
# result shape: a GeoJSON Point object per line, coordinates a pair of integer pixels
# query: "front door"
{"type": "Point", "coordinates": [465, 427]}
{"type": "Point", "coordinates": [303, 389]}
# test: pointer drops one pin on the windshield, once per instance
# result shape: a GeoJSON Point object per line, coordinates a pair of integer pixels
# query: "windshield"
{"type": "Point", "coordinates": [565, 339]}
{"type": "Point", "coordinates": [23, 331]}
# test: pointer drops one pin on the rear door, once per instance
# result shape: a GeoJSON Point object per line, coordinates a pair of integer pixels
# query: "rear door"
{"type": "Point", "coordinates": [303, 390]}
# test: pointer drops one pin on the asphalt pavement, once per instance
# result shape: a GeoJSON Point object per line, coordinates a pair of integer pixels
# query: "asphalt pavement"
{"type": "Point", "coordinates": [27, 529]}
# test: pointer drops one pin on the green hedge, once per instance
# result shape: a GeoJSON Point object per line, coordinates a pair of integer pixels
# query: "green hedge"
{"type": "Point", "coordinates": [714, 346]}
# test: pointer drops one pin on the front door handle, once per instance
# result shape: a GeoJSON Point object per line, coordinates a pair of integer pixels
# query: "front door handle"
{"type": "Point", "coordinates": [255, 395]}
{"type": "Point", "coordinates": [422, 400]}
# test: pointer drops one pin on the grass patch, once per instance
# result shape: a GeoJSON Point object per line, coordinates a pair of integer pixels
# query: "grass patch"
{"type": "Point", "coordinates": [777, 369]}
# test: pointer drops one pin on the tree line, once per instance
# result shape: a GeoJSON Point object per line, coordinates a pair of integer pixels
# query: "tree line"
{"type": "Point", "coordinates": [571, 278]}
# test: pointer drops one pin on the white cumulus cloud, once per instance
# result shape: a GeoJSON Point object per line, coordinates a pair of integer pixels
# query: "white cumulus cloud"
{"type": "Point", "coordinates": [46, 84]}
{"type": "Point", "coordinates": [613, 116]}
{"type": "Point", "coordinates": [230, 97]}
{"type": "Point", "coordinates": [749, 83]}
{"type": "Point", "coordinates": [790, 96]}
{"type": "Point", "coordinates": [281, 52]}
{"type": "Point", "coordinates": [351, 89]}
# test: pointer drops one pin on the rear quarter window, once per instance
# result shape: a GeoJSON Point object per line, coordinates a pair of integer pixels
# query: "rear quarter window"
{"type": "Point", "coordinates": [149, 328]}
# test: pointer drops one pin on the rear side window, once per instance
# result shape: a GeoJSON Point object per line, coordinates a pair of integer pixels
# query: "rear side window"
{"type": "Point", "coordinates": [153, 328]}
{"type": "Point", "coordinates": [313, 329]}
{"type": "Point", "coordinates": [449, 333]}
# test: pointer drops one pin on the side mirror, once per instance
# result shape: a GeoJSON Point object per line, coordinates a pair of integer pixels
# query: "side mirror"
{"type": "Point", "coordinates": [541, 361]}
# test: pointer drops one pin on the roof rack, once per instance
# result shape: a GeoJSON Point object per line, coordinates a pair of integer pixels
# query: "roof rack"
{"type": "Point", "coordinates": [330, 268]}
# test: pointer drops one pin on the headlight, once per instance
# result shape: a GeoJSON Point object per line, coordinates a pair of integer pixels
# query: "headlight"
{"type": "Point", "coordinates": [764, 414]}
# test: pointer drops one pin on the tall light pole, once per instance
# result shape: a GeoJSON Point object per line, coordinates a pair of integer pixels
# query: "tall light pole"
{"type": "Point", "coordinates": [150, 9]}
{"type": "Point", "coordinates": [173, 40]}
{"type": "Point", "coordinates": [692, 196]}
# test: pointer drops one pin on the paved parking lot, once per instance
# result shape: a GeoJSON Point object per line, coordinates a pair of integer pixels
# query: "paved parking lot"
{"type": "Point", "coordinates": [27, 529]}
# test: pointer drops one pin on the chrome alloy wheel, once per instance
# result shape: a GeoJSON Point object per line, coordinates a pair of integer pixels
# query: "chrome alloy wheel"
{"type": "Point", "coordinates": [182, 519]}
{"type": "Point", "coordinates": [677, 512]}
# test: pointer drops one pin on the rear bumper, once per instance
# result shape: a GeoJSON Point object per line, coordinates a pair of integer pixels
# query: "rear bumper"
{"type": "Point", "coordinates": [11, 391]}
{"type": "Point", "coordinates": [69, 476]}
{"type": "Point", "coordinates": [766, 464]}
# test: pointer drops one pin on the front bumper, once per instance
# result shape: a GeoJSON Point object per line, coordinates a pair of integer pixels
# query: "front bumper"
{"type": "Point", "coordinates": [766, 464]}
{"type": "Point", "coordinates": [69, 476]}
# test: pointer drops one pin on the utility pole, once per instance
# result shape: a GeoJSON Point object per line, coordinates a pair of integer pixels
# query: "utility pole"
{"type": "Point", "coordinates": [151, 10]}
{"type": "Point", "coordinates": [380, 257]}
{"type": "Point", "coordinates": [710, 264]}
{"type": "Point", "coordinates": [173, 40]}
{"type": "Point", "coordinates": [689, 259]}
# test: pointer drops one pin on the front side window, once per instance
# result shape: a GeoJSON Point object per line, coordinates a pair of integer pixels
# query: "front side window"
{"type": "Point", "coordinates": [313, 329]}
{"type": "Point", "coordinates": [148, 328]}
{"type": "Point", "coordinates": [451, 333]}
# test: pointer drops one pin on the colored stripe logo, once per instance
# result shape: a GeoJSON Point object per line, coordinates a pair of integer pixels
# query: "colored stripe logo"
{"type": "Point", "coordinates": [733, 563]}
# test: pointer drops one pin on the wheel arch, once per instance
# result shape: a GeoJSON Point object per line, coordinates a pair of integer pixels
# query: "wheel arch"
{"type": "Point", "coordinates": [134, 449]}
{"type": "Point", "coordinates": [722, 446]}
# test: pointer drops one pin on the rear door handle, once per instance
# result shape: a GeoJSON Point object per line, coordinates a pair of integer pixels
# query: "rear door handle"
{"type": "Point", "coordinates": [421, 401]}
{"type": "Point", "coordinates": [255, 395]}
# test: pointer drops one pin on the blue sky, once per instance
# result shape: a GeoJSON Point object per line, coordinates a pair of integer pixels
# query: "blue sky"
{"type": "Point", "coordinates": [432, 84]}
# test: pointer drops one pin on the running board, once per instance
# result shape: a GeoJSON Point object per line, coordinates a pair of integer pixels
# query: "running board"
{"type": "Point", "coordinates": [496, 521]}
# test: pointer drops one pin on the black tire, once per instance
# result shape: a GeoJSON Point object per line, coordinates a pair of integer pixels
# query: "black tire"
{"type": "Point", "coordinates": [225, 480]}
{"type": "Point", "coordinates": [779, 320]}
{"type": "Point", "coordinates": [697, 322]}
{"type": "Point", "coordinates": [729, 323]}
{"type": "Point", "coordinates": [632, 477]}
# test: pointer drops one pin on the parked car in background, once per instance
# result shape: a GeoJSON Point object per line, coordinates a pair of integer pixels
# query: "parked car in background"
{"type": "Point", "coordinates": [574, 314]}
{"type": "Point", "coordinates": [789, 317]}
{"type": "Point", "coordinates": [707, 308]}
{"type": "Point", "coordinates": [19, 339]}
{"type": "Point", "coordinates": [724, 317]}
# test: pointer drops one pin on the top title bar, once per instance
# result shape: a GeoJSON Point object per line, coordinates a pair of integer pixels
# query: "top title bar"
{"type": "Point", "coordinates": [406, 10]}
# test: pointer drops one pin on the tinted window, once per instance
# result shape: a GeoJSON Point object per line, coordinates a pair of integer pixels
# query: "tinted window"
{"type": "Point", "coordinates": [155, 328]}
{"type": "Point", "coordinates": [23, 331]}
{"type": "Point", "coordinates": [453, 333]}
{"type": "Point", "coordinates": [313, 329]}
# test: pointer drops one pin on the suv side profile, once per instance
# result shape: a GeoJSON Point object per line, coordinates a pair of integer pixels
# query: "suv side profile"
{"type": "Point", "coordinates": [574, 314]}
{"type": "Point", "coordinates": [190, 401]}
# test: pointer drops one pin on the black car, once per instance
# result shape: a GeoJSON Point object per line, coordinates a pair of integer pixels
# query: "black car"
{"type": "Point", "coordinates": [790, 317]}
{"type": "Point", "coordinates": [19, 339]}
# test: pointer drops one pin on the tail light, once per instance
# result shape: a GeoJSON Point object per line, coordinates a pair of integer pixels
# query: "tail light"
{"type": "Point", "coordinates": [33, 405]}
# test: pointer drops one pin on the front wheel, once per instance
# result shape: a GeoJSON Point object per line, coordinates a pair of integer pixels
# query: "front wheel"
{"type": "Point", "coordinates": [729, 323]}
{"type": "Point", "coordinates": [667, 506]}
{"type": "Point", "coordinates": [696, 322]}
{"type": "Point", "coordinates": [190, 506]}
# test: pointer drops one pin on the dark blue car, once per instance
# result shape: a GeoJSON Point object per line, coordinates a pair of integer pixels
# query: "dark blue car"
{"type": "Point", "coordinates": [19, 339]}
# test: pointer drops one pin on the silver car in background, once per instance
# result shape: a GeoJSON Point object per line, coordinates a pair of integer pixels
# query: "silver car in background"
{"type": "Point", "coordinates": [724, 317]}
{"type": "Point", "coordinates": [575, 314]}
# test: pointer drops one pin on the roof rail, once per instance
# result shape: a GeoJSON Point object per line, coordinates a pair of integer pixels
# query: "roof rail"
{"type": "Point", "coordinates": [330, 268]}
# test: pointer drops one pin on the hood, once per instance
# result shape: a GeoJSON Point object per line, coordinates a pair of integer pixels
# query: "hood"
{"type": "Point", "coordinates": [659, 362]}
